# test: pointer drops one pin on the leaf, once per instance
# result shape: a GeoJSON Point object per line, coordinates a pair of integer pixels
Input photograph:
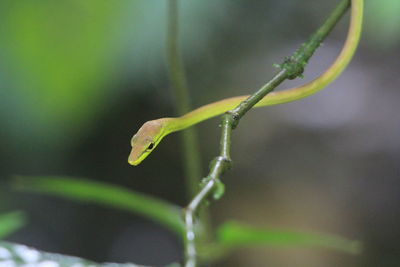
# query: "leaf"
{"type": "Point", "coordinates": [235, 234]}
{"type": "Point", "coordinates": [82, 190]}
{"type": "Point", "coordinates": [11, 222]}
{"type": "Point", "coordinates": [17, 255]}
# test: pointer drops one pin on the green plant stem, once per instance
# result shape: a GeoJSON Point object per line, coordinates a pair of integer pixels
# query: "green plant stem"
{"type": "Point", "coordinates": [191, 155]}
{"type": "Point", "coordinates": [192, 166]}
{"type": "Point", "coordinates": [291, 68]}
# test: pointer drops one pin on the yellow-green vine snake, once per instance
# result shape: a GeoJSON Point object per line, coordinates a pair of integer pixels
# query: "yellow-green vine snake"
{"type": "Point", "coordinates": [152, 132]}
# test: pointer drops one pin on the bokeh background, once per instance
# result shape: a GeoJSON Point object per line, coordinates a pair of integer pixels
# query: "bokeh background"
{"type": "Point", "coordinates": [78, 78]}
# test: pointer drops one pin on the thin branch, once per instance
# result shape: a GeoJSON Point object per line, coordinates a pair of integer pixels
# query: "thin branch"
{"type": "Point", "coordinates": [178, 81]}
{"type": "Point", "coordinates": [291, 68]}
{"type": "Point", "coordinates": [177, 76]}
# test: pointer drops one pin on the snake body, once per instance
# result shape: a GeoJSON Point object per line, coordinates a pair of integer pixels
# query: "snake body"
{"type": "Point", "coordinates": [152, 132]}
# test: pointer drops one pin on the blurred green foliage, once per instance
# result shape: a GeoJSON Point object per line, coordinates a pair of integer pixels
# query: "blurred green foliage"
{"type": "Point", "coordinates": [80, 189]}
{"type": "Point", "coordinates": [58, 57]}
{"type": "Point", "coordinates": [383, 23]}
{"type": "Point", "coordinates": [11, 222]}
{"type": "Point", "coordinates": [235, 234]}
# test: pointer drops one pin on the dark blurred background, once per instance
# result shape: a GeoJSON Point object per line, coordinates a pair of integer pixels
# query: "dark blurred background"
{"type": "Point", "coordinates": [78, 78]}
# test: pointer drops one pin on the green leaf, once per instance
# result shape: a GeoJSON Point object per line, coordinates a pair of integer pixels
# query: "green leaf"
{"type": "Point", "coordinates": [150, 207]}
{"type": "Point", "coordinates": [17, 255]}
{"type": "Point", "coordinates": [11, 222]}
{"type": "Point", "coordinates": [235, 234]}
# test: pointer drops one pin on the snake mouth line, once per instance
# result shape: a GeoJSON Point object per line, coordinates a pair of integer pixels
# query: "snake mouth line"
{"type": "Point", "coordinates": [133, 162]}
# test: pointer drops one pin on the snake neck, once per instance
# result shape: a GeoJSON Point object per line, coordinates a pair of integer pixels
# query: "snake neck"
{"type": "Point", "coordinates": [200, 114]}
{"type": "Point", "coordinates": [176, 124]}
{"type": "Point", "coordinates": [170, 125]}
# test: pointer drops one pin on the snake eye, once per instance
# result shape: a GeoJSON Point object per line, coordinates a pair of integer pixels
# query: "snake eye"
{"type": "Point", "coordinates": [151, 146]}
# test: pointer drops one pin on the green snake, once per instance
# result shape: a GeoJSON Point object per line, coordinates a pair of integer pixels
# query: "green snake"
{"type": "Point", "coordinates": [152, 132]}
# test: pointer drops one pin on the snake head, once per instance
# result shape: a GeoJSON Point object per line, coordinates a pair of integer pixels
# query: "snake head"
{"type": "Point", "coordinates": [145, 140]}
